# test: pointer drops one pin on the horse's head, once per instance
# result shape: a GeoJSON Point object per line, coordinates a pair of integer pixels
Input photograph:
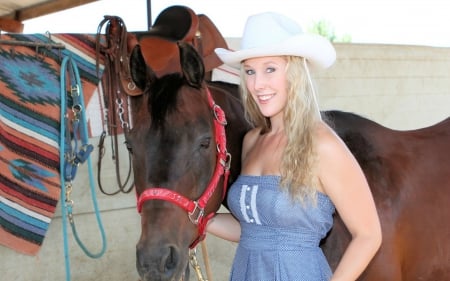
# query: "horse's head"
{"type": "Point", "coordinates": [180, 162]}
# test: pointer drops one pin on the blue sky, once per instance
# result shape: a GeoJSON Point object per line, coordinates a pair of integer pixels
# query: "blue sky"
{"type": "Point", "coordinates": [410, 22]}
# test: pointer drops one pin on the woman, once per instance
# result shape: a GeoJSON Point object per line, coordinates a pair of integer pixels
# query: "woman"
{"type": "Point", "coordinates": [295, 170]}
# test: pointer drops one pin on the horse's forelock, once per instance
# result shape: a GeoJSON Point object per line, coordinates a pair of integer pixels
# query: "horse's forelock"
{"type": "Point", "coordinates": [163, 96]}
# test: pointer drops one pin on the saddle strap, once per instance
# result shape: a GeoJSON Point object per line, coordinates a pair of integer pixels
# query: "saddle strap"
{"type": "Point", "coordinates": [116, 54]}
{"type": "Point", "coordinates": [117, 85]}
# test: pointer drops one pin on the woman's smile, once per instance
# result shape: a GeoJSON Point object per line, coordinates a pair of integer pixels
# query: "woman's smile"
{"type": "Point", "coordinates": [265, 98]}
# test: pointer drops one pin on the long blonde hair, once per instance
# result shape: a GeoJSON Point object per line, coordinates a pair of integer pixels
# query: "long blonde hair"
{"type": "Point", "coordinates": [301, 114]}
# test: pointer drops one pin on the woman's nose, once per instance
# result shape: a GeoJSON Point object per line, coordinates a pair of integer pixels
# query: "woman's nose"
{"type": "Point", "coordinates": [259, 82]}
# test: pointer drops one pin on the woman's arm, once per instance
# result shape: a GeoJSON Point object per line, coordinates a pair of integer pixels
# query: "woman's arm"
{"type": "Point", "coordinates": [344, 182]}
{"type": "Point", "coordinates": [225, 226]}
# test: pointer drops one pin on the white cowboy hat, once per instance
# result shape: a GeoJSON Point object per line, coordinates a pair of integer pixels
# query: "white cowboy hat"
{"type": "Point", "coordinates": [272, 34]}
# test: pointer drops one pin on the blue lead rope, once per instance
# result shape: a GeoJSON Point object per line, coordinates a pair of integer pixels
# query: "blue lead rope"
{"type": "Point", "coordinates": [72, 155]}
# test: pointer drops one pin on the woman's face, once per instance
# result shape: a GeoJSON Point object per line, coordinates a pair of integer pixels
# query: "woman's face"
{"type": "Point", "coordinates": [265, 78]}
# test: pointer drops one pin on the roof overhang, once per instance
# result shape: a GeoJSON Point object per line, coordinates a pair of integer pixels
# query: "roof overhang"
{"type": "Point", "coordinates": [14, 12]}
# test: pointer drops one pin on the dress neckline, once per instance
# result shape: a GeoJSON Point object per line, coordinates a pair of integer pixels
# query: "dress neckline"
{"type": "Point", "coordinates": [257, 176]}
{"type": "Point", "coordinates": [320, 194]}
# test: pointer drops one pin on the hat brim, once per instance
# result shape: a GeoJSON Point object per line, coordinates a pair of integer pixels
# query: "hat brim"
{"type": "Point", "coordinates": [317, 50]}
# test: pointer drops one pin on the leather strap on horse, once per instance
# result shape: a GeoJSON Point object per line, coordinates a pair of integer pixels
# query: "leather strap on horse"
{"type": "Point", "coordinates": [119, 44]}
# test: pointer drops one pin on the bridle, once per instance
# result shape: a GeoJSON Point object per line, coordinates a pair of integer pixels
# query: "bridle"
{"type": "Point", "coordinates": [196, 208]}
{"type": "Point", "coordinates": [117, 86]}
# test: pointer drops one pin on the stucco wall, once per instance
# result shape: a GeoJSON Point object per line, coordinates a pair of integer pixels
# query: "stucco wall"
{"type": "Point", "coordinates": [402, 87]}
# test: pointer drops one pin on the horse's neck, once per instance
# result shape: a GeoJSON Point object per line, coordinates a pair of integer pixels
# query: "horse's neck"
{"type": "Point", "coordinates": [227, 97]}
{"type": "Point", "coordinates": [224, 90]}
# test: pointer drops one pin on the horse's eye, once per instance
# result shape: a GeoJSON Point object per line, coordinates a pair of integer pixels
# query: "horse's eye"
{"type": "Point", "coordinates": [205, 143]}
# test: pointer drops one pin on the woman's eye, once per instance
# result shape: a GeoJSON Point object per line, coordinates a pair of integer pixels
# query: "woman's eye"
{"type": "Point", "coordinates": [249, 72]}
{"type": "Point", "coordinates": [270, 69]}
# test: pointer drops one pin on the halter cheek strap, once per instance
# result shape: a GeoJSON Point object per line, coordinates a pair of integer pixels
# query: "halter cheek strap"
{"type": "Point", "coordinates": [196, 208]}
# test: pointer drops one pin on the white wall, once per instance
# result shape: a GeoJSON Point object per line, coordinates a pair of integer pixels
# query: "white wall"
{"type": "Point", "coordinates": [401, 87]}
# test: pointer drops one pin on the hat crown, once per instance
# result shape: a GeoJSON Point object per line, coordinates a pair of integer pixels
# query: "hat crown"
{"type": "Point", "coordinates": [272, 34]}
{"type": "Point", "coordinates": [267, 29]}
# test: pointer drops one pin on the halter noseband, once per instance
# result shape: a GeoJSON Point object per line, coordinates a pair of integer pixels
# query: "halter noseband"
{"type": "Point", "coordinates": [196, 208]}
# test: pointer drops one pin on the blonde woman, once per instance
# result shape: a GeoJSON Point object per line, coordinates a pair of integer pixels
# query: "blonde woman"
{"type": "Point", "coordinates": [296, 172]}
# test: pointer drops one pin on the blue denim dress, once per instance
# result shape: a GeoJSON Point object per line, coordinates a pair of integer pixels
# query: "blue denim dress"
{"type": "Point", "coordinates": [279, 238]}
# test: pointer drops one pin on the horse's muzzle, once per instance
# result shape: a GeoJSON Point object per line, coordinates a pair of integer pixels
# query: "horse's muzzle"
{"type": "Point", "coordinates": [161, 263]}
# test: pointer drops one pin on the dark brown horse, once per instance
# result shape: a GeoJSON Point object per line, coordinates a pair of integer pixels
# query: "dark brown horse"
{"type": "Point", "coordinates": [180, 159]}
{"type": "Point", "coordinates": [409, 175]}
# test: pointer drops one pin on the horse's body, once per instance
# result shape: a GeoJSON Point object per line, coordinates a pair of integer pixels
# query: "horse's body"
{"type": "Point", "coordinates": [409, 175]}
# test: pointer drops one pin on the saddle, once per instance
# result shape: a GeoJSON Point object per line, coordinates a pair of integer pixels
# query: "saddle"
{"type": "Point", "coordinates": [159, 44]}
{"type": "Point", "coordinates": [179, 23]}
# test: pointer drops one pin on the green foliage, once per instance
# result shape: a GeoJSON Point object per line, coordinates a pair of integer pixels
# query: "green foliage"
{"type": "Point", "coordinates": [325, 29]}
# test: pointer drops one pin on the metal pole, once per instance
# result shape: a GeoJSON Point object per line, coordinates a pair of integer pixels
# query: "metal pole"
{"type": "Point", "coordinates": [149, 14]}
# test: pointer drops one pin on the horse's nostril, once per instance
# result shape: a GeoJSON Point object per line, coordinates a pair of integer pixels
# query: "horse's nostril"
{"type": "Point", "coordinates": [169, 260]}
{"type": "Point", "coordinates": [160, 262]}
{"type": "Point", "coordinates": [142, 262]}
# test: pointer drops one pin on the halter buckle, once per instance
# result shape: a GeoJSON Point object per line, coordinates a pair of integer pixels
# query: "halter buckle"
{"type": "Point", "coordinates": [219, 115]}
{"type": "Point", "coordinates": [227, 164]}
{"type": "Point", "coordinates": [197, 210]}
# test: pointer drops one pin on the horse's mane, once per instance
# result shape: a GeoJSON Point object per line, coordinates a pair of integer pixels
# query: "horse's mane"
{"type": "Point", "coordinates": [163, 97]}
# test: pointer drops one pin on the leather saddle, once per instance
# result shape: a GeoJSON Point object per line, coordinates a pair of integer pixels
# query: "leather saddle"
{"type": "Point", "coordinates": [159, 44]}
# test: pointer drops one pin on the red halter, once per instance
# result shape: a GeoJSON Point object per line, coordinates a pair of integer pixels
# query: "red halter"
{"type": "Point", "coordinates": [196, 208]}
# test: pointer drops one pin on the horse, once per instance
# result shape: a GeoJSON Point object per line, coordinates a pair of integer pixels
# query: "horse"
{"type": "Point", "coordinates": [409, 176]}
{"type": "Point", "coordinates": [186, 131]}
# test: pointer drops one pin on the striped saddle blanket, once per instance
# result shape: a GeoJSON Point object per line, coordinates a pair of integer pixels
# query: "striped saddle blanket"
{"type": "Point", "coordinates": [29, 131]}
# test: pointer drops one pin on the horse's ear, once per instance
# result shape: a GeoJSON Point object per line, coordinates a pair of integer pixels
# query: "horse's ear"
{"type": "Point", "coordinates": [191, 64]}
{"type": "Point", "coordinates": [140, 72]}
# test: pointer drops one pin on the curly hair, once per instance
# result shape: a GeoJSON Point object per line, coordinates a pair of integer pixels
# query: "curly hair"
{"type": "Point", "coordinates": [301, 114]}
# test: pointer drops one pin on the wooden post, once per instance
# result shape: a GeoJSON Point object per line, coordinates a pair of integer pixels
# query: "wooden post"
{"type": "Point", "coordinates": [10, 25]}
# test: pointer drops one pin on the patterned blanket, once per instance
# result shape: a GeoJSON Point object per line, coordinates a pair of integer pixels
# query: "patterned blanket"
{"type": "Point", "coordinates": [29, 131]}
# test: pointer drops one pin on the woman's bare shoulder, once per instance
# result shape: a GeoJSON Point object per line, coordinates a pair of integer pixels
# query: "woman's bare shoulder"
{"type": "Point", "coordinates": [327, 141]}
{"type": "Point", "coordinates": [249, 140]}
{"type": "Point", "coordinates": [338, 169]}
